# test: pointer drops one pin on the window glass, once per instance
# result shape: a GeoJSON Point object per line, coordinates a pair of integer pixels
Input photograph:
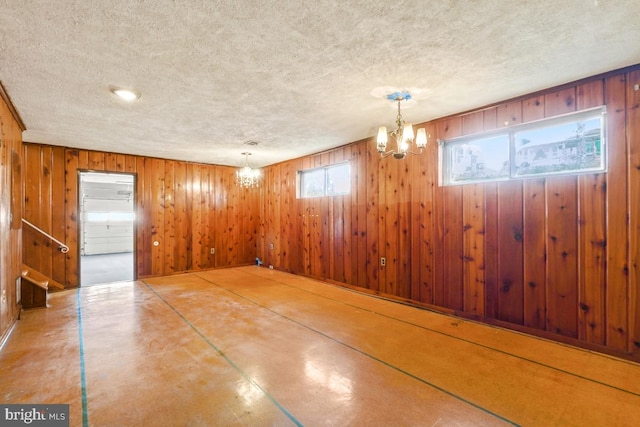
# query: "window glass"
{"type": "Point", "coordinates": [569, 144]}
{"type": "Point", "coordinates": [479, 159]}
{"type": "Point", "coordinates": [313, 182]}
{"type": "Point", "coordinates": [332, 180]}
{"type": "Point", "coordinates": [109, 216]}
{"type": "Point", "coordinates": [97, 216]}
{"type": "Point", "coordinates": [561, 148]}
{"type": "Point", "coordinates": [121, 216]}
{"type": "Point", "coordinates": [338, 179]}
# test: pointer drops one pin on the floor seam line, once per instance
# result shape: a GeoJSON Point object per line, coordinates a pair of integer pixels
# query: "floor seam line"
{"type": "Point", "coordinates": [83, 376]}
{"type": "Point", "coordinates": [226, 358]}
{"type": "Point", "coordinates": [372, 357]}
{"type": "Point", "coordinates": [452, 336]}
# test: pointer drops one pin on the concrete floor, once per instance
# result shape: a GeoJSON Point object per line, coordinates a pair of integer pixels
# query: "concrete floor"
{"type": "Point", "coordinates": [251, 346]}
{"type": "Point", "coordinates": [106, 268]}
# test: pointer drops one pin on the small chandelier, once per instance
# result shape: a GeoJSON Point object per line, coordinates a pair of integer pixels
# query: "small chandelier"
{"type": "Point", "coordinates": [246, 176]}
{"type": "Point", "coordinates": [403, 133]}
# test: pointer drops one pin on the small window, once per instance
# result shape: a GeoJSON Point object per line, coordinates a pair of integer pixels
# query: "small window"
{"type": "Point", "coordinates": [98, 216]}
{"type": "Point", "coordinates": [121, 216]}
{"type": "Point", "coordinates": [477, 159]}
{"type": "Point", "coordinates": [332, 180]}
{"type": "Point", "coordinates": [110, 216]}
{"type": "Point", "coordinates": [560, 147]}
{"type": "Point", "coordinates": [569, 144]}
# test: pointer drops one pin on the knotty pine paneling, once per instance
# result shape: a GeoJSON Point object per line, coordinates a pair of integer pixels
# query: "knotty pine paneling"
{"type": "Point", "coordinates": [534, 199]}
{"type": "Point", "coordinates": [343, 219]}
{"type": "Point", "coordinates": [510, 254]}
{"type": "Point", "coordinates": [473, 231]}
{"type": "Point", "coordinates": [452, 243]}
{"type": "Point", "coordinates": [385, 220]}
{"type": "Point", "coordinates": [187, 208]}
{"type": "Point", "coordinates": [11, 178]}
{"type": "Point", "coordinates": [562, 289]}
{"type": "Point", "coordinates": [374, 247]}
{"type": "Point", "coordinates": [359, 177]}
{"type": "Point", "coordinates": [553, 256]}
{"type": "Point", "coordinates": [535, 247]}
{"type": "Point", "coordinates": [562, 244]}
{"type": "Point", "coordinates": [618, 232]}
{"type": "Point", "coordinates": [633, 133]}
{"type": "Point", "coordinates": [74, 159]}
{"type": "Point", "coordinates": [591, 236]}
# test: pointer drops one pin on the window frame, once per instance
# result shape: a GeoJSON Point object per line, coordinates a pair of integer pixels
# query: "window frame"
{"type": "Point", "coordinates": [300, 181]}
{"type": "Point", "coordinates": [446, 147]}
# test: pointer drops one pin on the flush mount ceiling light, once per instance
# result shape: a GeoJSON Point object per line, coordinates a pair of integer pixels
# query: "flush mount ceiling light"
{"type": "Point", "coordinates": [125, 94]}
{"type": "Point", "coordinates": [248, 177]}
{"type": "Point", "coordinates": [402, 134]}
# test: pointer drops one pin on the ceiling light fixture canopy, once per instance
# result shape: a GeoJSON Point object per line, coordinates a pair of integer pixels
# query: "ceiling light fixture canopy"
{"type": "Point", "coordinates": [402, 134]}
{"type": "Point", "coordinates": [248, 177]}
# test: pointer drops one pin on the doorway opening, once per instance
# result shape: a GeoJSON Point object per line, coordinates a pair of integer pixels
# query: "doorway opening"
{"type": "Point", "coordinates": [107, 231]}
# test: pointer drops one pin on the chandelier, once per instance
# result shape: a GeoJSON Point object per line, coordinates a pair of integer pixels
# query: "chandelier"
{"type": "Point", "coordinates": [247, 177]}
{"type": "Point", "coordinates": [402, 134]}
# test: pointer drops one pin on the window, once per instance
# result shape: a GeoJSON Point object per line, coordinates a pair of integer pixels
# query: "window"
{"type": "Point", "coordinates": [332, 180]}
{"type": "Point", "coordinates": [479, 159]}
{"type": "Point", "coordinates": [110, 216]}
{"type": "Point", "coordinates": [569, 144]}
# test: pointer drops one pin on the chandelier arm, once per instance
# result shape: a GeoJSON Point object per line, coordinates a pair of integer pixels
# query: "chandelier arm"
{"type": "Point", "coordinates": [385, 154]}
{"type": "Point", "coordinates": [414, 153]}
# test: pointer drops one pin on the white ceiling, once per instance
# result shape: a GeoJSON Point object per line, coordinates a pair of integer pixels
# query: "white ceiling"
{"type": "Point", "coordinates": [295, 76]}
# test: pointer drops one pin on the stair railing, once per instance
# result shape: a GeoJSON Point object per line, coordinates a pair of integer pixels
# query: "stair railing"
{"type": "Point", "coordinates": [62, 248]}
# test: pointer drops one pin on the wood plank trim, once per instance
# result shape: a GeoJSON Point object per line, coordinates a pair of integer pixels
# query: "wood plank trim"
{"type": "Point", "coordinates": [14, 112]}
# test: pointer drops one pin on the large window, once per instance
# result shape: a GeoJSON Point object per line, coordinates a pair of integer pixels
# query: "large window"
{"type": "Point", "coordinates": [334, 180]}
{"type": "Point", "coordinates": [569, 144]}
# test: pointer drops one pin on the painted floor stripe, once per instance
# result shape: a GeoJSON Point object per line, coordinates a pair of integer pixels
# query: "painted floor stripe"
{"type": "Point", "coordinates": [228, 360]}
{"type": "Point", "coordinates": [83, 376]}
{"type": "Point", "coordinates": [370, 356]}
{"type": "Point", "coordinates": [436, 331]}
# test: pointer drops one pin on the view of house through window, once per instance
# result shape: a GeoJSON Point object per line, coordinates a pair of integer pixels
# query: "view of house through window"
{"type": "Point", "coordinates": [331, 180]}
{"type": "Point", "coordinates": [569, 144]}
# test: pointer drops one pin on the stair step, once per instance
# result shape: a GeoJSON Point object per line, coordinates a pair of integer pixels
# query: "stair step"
{"type": "Point", "coordinates": [33, 288]}
{"type": "Point", "coordinates": [38, 278]}
{"type": "Point", "coordinates": [44, 284]}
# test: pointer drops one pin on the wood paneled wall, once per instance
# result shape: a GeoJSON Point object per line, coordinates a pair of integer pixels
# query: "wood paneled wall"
{"type": "Point", "coordinates": [187, 208]}
{"type": "Point", "coordinates": [10, 215]}
{"type": "Point", "coordinates": [556, 256]}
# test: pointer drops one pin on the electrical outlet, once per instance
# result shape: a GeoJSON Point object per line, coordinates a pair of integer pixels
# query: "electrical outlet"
{"type": "Point", "coordinates": [271, 246]}
{"type": "Point", "coordinates": [383, 261]}
{"type": "Point", "coordinates": [213, 251]}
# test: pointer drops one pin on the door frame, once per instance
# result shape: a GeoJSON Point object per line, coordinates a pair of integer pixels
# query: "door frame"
{"type": "Point", "coordinates": [80, 172]}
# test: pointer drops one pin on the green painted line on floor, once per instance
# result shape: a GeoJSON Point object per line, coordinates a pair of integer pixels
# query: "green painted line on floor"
{"type": "Point", "coordinates": [228, 360]}
{"type": "Point", "coordinates": [83, 376]}
{"type": "Point", "coordinates": [370, 356]}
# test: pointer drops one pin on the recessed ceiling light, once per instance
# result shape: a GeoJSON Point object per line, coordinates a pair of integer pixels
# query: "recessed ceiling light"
{"type": "Point", "coordinates": [126, 94]}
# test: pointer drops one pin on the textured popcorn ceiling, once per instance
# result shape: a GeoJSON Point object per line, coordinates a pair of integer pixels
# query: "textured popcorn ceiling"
{"type": "Point", "coordinates": [296, 76]}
